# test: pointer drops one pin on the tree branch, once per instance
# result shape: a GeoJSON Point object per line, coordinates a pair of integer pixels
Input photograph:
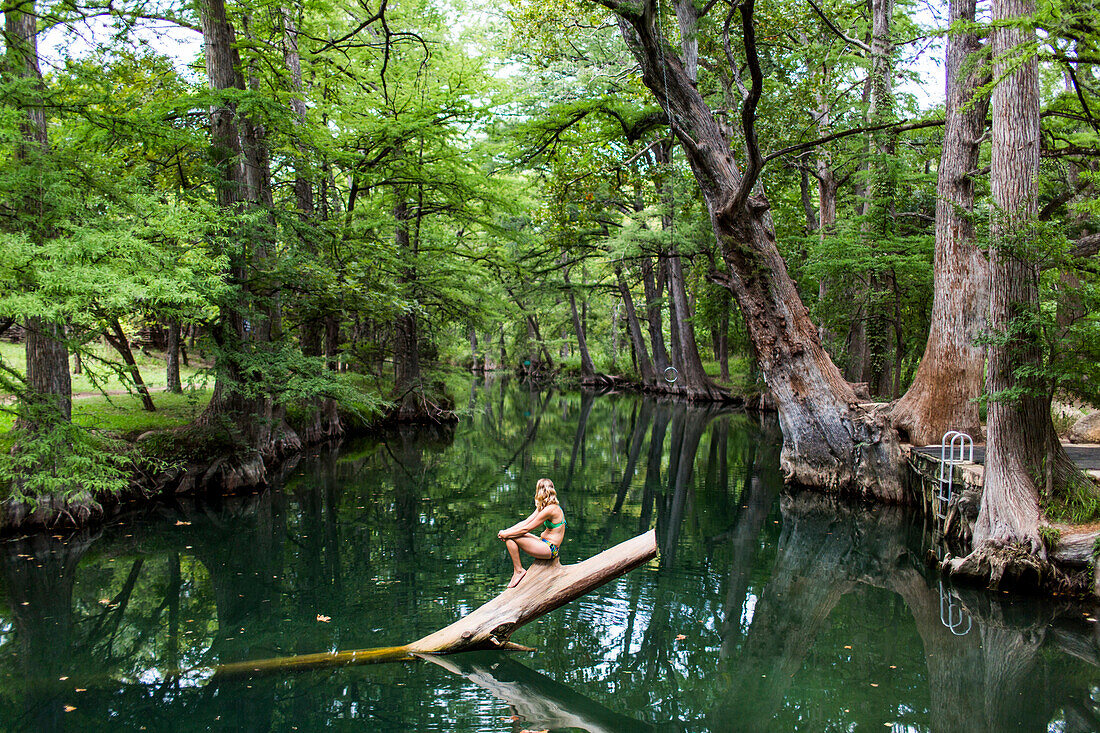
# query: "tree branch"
{"type": "Point", "coordinates": [894, 126]}
{"type": "Point", "coordinates": [748, 108]}
{"type": "Point", "coordinates": [840, 34]}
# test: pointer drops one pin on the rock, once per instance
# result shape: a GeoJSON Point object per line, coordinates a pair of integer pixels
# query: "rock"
{"type": "Point", "coordinates": [1086, 430]}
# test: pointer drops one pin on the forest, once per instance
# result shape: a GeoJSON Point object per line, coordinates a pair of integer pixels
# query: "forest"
{"type": "Point", "coordinates": [269, 224]}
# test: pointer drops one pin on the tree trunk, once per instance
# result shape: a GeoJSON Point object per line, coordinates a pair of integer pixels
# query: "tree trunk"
{"type": "Point", "coordinates": [828, 440]}
{"type": "Point", "coordinates": [692, 380]}
{"type": "Point", "coordinates": [653, 316]}
{"type": "Point", "coordinates": [879, 203]}
{"type": "Point", "coordinates": [325, 420]}
{"type": "Point", "coordinates": [121, 344]}
{"type": "Point", "coordinates": [1023, 455]}
{"type": "Point", "coordinates": [172, 356]}
{"type": "Point", "coordinates": [641, 353]}
{"type": "Point", "coordinates": [723, 352]}
{"type": "Point", "coordinates": [944, 392]}
{"type": "Point", "coordinates": [49, 386]}
{"type": "Point", "coordinates": [239, 158]}
{"type": "Point", "coordinates": [588, 369]}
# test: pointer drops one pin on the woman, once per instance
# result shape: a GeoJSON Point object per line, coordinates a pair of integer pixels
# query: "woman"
{"type": "Point", "coordinates": [545, 547]}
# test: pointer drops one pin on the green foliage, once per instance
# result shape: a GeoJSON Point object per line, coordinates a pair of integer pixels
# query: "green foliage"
{"type": "Point", "coordinates": [1077, 502]}
{"type": "Point", "coordinates": [61, 461]}
{"type": "Point", "coordinates": [1050, 535]}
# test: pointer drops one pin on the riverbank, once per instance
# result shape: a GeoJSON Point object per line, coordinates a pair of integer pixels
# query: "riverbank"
{"type": "Point", "coordinates": [951, 510]}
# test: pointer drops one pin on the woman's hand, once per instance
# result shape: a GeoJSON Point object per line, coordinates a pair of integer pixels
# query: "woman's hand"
{"type": "Point", "coordinates": [500, 535]}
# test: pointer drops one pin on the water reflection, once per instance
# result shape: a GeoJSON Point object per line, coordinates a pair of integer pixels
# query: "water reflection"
{"type": "Point", "coordinates": [763, 612]}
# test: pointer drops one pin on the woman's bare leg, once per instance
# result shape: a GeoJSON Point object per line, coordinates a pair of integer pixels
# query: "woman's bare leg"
{"type": "Point", "coordinates": [530, 544]}
{"type": "Point", "coordinates": [518, 572]}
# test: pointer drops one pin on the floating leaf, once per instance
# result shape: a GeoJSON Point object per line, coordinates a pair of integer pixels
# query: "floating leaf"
{"type": "Point", "coordinates": [323, 619]}
{"type": "Point", "coordinates": [680, 637]}
{"type": "Point", "coordinates": [69, 708]}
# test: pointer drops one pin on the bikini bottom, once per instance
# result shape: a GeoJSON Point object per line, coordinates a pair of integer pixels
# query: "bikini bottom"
{"type": "Point", "coordinates": [553, 548]}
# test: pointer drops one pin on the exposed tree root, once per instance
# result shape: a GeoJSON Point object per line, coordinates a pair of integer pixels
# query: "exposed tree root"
{"type": "Point", "coordinates": [1014, 567]}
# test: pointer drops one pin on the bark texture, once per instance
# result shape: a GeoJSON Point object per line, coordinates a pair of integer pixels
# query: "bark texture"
{"type": "Point", "coordinates": [948, 381]}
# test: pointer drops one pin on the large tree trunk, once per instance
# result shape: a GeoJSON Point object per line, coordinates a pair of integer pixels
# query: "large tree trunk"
{"type": "Point", "coordinates": [878, 206]}
{"type": "Point", "coordinates": [949, 378]}
{"type": "Point", "coordinates": [49, 386]}
{"type": "Point", "coordinates": [249, 322]}
{"type": "Point", "coordinates": [1023, 455]}
{"type": "Point", "coordinates": [828, 440]}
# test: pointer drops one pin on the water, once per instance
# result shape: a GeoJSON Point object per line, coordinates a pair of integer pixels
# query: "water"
{"type": "Point", "coordinates": [765, 611]}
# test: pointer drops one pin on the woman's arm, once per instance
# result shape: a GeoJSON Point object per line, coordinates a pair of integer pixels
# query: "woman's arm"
{"type": "Point", "coordinates": [521, 528]}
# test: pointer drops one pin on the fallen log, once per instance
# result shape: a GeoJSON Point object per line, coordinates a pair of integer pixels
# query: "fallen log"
{"type": "Point", "coordinates": [547, 585]}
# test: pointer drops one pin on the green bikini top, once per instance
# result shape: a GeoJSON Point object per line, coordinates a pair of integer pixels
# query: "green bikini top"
{"type": "Point", "coordinates": [550, 525]}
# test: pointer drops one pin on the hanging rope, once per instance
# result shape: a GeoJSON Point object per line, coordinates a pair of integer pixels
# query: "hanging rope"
{"type": "Point", "coordinates": [672, 147]}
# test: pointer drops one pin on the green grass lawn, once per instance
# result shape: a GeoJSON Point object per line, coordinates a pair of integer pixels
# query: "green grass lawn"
{"type": "Point", "coordinates": [152, 366]}
{"type": "Point", "coordinates": [124, 416]}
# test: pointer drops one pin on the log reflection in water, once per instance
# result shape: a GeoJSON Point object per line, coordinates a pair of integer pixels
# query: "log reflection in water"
{"type": "Point", "coordinates": [539, 701]}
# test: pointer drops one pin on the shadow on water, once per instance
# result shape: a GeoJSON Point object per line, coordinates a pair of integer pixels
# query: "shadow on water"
{"type": "Point", "coordinates": [765, 610]}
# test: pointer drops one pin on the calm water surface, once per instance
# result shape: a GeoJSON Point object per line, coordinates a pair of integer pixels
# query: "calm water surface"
{"type": "Point", "coordinates": [765, 611]}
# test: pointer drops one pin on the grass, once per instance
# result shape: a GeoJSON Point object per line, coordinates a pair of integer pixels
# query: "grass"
{"type": "Point", "coordinates": [151, 364]}
{"type": "Point", "coordinates": [123, 415]}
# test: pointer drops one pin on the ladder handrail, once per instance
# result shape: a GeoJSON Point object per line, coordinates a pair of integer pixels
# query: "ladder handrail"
{"type": "Point", "coordinates": [953, 450]}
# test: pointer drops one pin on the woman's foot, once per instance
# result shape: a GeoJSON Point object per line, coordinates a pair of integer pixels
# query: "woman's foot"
{"type": "Point", "coordinates": [516, 577]}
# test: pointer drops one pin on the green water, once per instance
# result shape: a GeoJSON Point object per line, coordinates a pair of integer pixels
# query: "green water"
{"type": "Point", "coordinates": [765, 611]}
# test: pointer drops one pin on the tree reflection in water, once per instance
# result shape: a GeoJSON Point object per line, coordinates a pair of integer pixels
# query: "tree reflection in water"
{"type": "Point", "coordinates": [763, 612]}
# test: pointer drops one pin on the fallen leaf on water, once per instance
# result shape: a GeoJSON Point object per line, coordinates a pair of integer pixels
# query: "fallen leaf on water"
{"type": "Point", "coordinates": [893, 666]}
{"type": "Point", "coordinates": [181, 523]}
{"type": "Point", "coordinates": [69, 708]}
{"type": "Point", "coordinates": [62, 678]}
{"type": "Point", "coordinates": [81, 689]}
{"type": "Point", "coordinates": [874, 684]}
{"type": "Point", "coordinates": [848, 646]}
{"type": "Point", "coordinates": [680, 637]}
{"type": "Point", "coordinates": [323, 619]}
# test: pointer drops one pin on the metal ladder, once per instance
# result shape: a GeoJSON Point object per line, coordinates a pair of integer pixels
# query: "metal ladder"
{"type": "Point", "coordinates": [953, 450]}
{"type": "Point", "coordinates": [952, 613]}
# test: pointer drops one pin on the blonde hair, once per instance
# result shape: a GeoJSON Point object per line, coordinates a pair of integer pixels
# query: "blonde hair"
{"type": "Point", "coordinates": [545, 494]}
